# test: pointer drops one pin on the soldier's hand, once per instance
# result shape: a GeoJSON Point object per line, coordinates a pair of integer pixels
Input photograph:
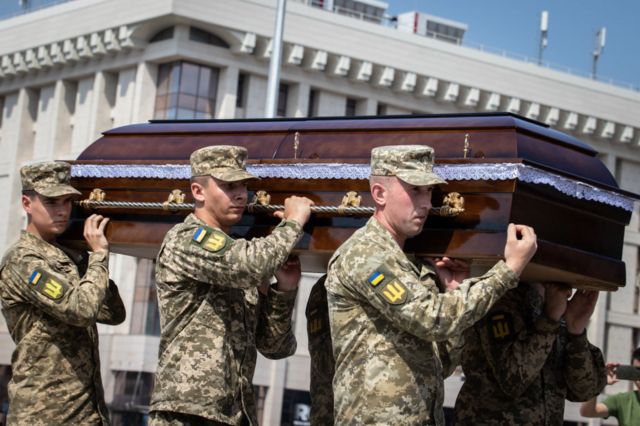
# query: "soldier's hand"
{"type": "Point", "coordinates": [579, 310]}
{"type": "Point", "coordinates": [296, 208]}
{"type": "Point", "coordinates": [451, 271]}
{"type": "Point", "coordinates": [94, 233]}
{"type": "Point", "coordinates": [520, 247]}
{"type": "Point", "coordinates": [289, 274]}
{"type": "Point", "coordinates": [555, 300]}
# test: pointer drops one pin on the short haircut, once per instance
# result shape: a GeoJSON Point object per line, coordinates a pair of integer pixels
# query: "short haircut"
{"type": "Point", "coordinates": [29, 193]}
{"type": "Point", "coordinates": [201, 180]}
{"type": "Point", "coordinates": [636, 355]}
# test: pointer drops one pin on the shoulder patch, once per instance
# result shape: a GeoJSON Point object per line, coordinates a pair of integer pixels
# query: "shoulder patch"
{"type": "Point", "coordinates": [388, 286]}
{"type": "Point", "coordinates": [500, 326]}
{"type": "Point", "coordinates": [210, 239]}
{"type": "Point", "coordinates": [45, 284]}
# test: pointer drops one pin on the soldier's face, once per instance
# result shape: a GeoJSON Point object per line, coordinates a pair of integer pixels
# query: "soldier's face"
{"type": "Point", "coordinates": [407, 207]}
{"type": "Point", "coordinates": [226, 201]}
{"type": "Point", "coordinates": [50, 216]}
{"type": "Point", "coordinates": [636, 363]}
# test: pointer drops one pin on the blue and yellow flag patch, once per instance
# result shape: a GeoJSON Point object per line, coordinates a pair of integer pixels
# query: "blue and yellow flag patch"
{"type": "Point", "coordinates": [47, 285]}
{"type": "Point", "coordinates": [388, 286]}
{"type": "Point", "coordinates": [210, 239]}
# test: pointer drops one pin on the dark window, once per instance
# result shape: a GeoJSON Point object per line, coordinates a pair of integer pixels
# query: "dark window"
{"type": "Point", "coordinates": [5, 376]}
{"type": "Point", "coordinates": [186, 91]}
{"type": "Point", "coordinates": [283, 95]}
{"type": "Point", "coordinates": [350, 109]}
{"type": "Point", "coordinates": [132, 395]}
{"type": "Point", "coordinates": [312, 108]}
{"type": "Point", "coordinates": [202, 36]}
{"type": "Point", "coordinates": [165, 34]}
{"type": "Point", "coordinates": [381, 109]}
{"type": "Point", "coordinates": [240, 90]}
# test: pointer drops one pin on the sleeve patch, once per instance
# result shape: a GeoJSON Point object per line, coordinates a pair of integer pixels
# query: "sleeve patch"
{"type": "Point", "coordinates": [47, 285]}
{"type": "Point", "coordinates": [210, 239]}
{"type": "Point", "coordinates": [388, 286]}
{"type": "Point", "coordinates": [501, 327]}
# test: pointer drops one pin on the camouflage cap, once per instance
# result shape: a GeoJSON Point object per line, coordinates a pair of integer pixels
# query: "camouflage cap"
{"type": "Point", "coordinates": [48, 178]}
{"type": "Point", "coordinates": [412, 164]}
{"type": "Point", "coordinates": [223, 162]}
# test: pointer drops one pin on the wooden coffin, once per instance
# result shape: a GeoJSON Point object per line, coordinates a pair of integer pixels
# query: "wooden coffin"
{"type": "Point", "coordinates": [507, 169]}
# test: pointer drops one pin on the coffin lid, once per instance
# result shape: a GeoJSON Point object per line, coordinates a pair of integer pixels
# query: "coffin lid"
{"type": "Point", "coordinates": [493, 137]}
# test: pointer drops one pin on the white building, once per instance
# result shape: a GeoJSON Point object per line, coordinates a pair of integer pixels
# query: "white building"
{"type": "Point", "coordinates": [70, 71]}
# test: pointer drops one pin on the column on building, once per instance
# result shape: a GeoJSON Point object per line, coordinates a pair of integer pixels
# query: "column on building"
{"type": "Point", "coordinates": [227, 92]}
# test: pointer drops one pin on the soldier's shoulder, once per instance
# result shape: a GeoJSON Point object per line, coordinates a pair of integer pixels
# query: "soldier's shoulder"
{"type": "Point", "coordinates": [20, 249]}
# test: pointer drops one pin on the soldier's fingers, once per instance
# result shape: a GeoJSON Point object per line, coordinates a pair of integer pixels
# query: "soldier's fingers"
{"type": "Point", "coordinates": [511, 232]}
{"type": "Point", "coordinates": [103, 224]}
{"type": "Point", "coordinates": [279, 214]}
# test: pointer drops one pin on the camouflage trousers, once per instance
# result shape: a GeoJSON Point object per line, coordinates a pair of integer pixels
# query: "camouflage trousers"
{"type": "Point", "coordinates": [170, 418]}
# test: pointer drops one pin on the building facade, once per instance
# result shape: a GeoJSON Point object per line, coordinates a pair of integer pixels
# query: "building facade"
{"type": "Point", "coordinates": [70, 71]}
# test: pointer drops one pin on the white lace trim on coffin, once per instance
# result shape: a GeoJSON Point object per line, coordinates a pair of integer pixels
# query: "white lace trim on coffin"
{"type": "Point", "coordinates": [449, 172]}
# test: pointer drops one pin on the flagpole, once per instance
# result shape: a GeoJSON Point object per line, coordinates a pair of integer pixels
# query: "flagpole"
{"type": "Point", "coordinates": [274, 64]}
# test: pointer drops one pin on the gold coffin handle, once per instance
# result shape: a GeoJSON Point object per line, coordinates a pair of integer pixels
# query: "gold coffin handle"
{"type": "Point", "coordinates": [452, 206]}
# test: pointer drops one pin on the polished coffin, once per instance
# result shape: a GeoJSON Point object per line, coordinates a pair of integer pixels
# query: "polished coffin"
{"type": "Point", "coordinates": [501, 168]}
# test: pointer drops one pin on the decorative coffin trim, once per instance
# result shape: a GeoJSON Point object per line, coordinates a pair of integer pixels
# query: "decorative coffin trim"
{"type": "Point", "coordinates": [450, 172]}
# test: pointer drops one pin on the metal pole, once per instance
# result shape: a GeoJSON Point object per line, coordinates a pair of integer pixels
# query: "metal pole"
{"type": "Point", "coordinates": [274, 64]}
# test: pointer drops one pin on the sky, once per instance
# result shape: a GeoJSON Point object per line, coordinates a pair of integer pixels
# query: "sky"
{"type": "Point", "coordinates": [514, 26]}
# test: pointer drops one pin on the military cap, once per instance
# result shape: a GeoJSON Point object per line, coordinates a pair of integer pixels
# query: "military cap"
{"type": "Point", "coordinates": [412, 164]}
{"type": "Point", "coordinates": [223, 162]}
{"type": "Point", "coordinates": [48, 178]}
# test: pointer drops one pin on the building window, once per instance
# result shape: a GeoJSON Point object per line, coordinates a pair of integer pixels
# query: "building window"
{"type": "Point", "coordinates": [283, 95]}
{"type": "Point", "coordinates": [381, 109]}
{"type": "Point", "coordinates": [132, 395]}
{"type": "Point", "coordinates": [145, 316]}
{"type": "Point", "coordinates": [165, 34]}
{"type": "Point", "coordinates": [312, 109]}
{"type": "Point", "coordinates": [202, 36]}
{"type": "Point", "coordinates": [186, 91]}
{"type": "Point", "coordinates": [350, 108]}
{"type": "Point", "coordinates": [240, 90]}
{"type": "Point", "coordinates": [5, 376]}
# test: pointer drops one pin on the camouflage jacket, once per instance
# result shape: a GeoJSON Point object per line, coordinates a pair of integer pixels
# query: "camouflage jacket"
{"type": "Point", "coordinates": [321, 354]}
{"type": "Point", "coordinates": [51, 303]}
{"type": "Point", "coordinates": [386, 313]}
{"type": "Point", "coordinates": [520, 366]}
{"type": "Point", "coordinates": [213, 318]}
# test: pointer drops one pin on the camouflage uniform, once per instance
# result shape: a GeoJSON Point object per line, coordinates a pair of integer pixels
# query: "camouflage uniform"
{"type": "Point", "coordinates": [520, 366]}
{"type": "Point", "coordinates": [386, 313]}
{"type": "Point", "coordinates": [212, 316]}
{"type": "Point", "coordinates": [52, 298]}
{"type": "Point", "coordinates": [321, 354]}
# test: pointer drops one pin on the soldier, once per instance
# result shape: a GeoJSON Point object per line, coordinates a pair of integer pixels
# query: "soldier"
{"type": "Point", "coordinates": [212, 315]}
{"type": "Point", "coordinates": [321, 354]}
{"type": "Point", "coordinates": [52, 298]}
{"type": "Point", "coordinates": [386, 312]}
{"type": "Point", "coordinates": [527, 355]}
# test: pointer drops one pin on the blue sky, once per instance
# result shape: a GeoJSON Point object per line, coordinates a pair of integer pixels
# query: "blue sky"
{"type": "Point", "coordinates": [513, 26]}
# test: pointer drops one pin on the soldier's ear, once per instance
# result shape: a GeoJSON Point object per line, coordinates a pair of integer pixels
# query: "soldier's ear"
{"type": "Point", "coordinates": [197, 190]}
{"type": "Point", "coordinates": [379, 193]}
{"type": "Point", "coordinates": [27, 203]}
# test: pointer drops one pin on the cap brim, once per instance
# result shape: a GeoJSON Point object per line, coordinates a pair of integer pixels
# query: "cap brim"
{"type": "Point", "coordinates": [419, 178]}
{"type": "Point", "coordinates": [58, 191]}
{"type": "Point", "coordinates": [234, 176]}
